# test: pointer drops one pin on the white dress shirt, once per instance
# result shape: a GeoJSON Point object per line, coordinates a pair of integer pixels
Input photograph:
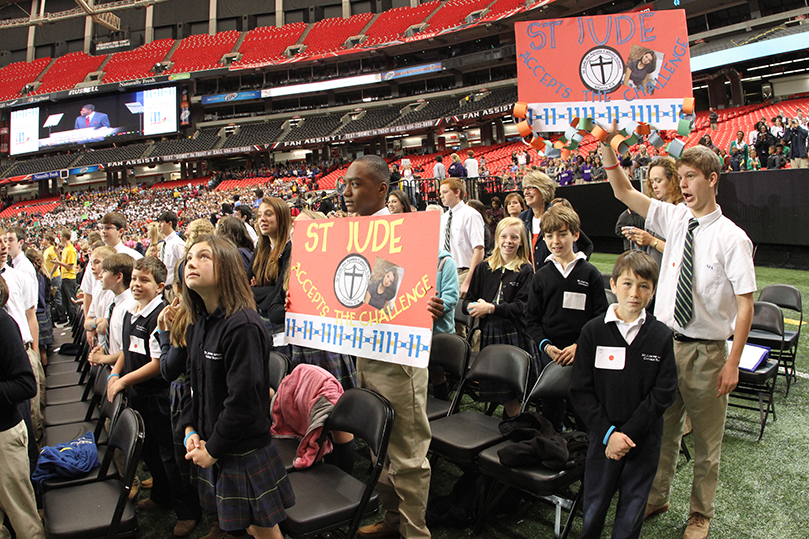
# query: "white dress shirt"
{"type": "Point", "coordinates": [123, 302]}
{"type": "Point", "coordinates": [154, 344]}
{"type": "Point", "coordinates": [26, 269]}
{"type": "Point", "coordinates": [465, 235]}
{"type": "Point", "coordinates": [471, 166]}
{"type": "Point", "coordinates": [628, 330]}
{"type": "Point", "coordinates": [566, 271]}
{"type": "Point", "coordinates": [123, 249]}
{"type": "Point", "coordinates": [723, 269]}
{"type": "Point", "coordinates": [171, 252]}
{"type": "Point", "coordinates": [17, 304]}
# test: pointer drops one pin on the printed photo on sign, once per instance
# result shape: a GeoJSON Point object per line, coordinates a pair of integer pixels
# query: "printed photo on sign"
{"type": "Point", "coordinates": [384, 284]}
{"type": "Point", "coordinates": [642, 67]}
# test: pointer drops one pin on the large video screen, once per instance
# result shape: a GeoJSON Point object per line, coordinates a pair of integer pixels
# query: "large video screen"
{"type": "Point", "coordinates": [93, 119]}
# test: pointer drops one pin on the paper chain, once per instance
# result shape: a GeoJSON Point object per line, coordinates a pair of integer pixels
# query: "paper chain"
{"type": "Point", "coordinates": [630, 135]}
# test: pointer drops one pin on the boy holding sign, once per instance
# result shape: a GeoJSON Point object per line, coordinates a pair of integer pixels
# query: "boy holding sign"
{"type": "Point", "coordinates": [405, 481]}
{"type": "Point", "coordinates": [622, 383]}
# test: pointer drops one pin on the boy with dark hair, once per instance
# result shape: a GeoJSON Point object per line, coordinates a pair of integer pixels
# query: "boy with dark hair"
{"type": "Point", "coordinates": [116, 274]}
{"type": "Point", "coordinates": [137, 366]}
{"type": "Point", "coordinates": [624, 379]}
{"type": "Point", "coordinates": [172, 249]}
{"type": "Point", "coordinates": [705, 295]}
{"type": "Point", "coordinates": [112, 227]}
{"type": "Point", "coordinates": [565, 294]}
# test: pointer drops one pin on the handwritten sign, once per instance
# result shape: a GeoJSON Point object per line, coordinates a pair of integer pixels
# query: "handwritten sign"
{"type": "Point", "coordinates": [633, 66]}
{"type": "Point", "coordinates": [360, 286]}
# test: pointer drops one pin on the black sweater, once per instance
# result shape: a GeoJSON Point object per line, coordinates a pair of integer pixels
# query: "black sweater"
{"type": "Point", "coordinates": [632, 399]}
{"type": "Point", "coordinates": [17, 382]}
{"type": "Point", "coordinates": [514, 295]}
{"type": "Point", "coordinates": [270, 299]}
{"type": "Point", "coordinates": [230, 381]}
{"type": "Point", "coordinates": [545, 316]}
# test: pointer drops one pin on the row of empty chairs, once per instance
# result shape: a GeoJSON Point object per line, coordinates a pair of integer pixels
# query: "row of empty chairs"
{"type": "Point", "coordinates": [14, 76]}
{"type": "Point", "coordinates": [454, 13]}
{"type": "Point", "coordinates": [202, 51]}
{"type": "Point", "coordinates": [329, 35]}
{"type": "Point", "coordinates": [67, 71]}
{"type": "Point", "coordinates": [110, 155]}
{"type": "Point", "coordinates": [138, 63]}
{"type": "Point", "coordinates": [392, 23]}
{"type": "Point", "coordinates": [267, 44]}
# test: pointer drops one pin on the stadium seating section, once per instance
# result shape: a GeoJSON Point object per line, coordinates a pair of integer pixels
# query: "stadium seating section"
{"type": "Point", "coordinates": [67, 71]}
{"type": "Point", "coordinates": [204, 139]}
{"type": "Point", "coordinates": [17, 75]}
{"type": "Point", "coordinates": [203, 51]}
{"type": "Point", "coordinates": [373, 119]}
{"type": "Point", "coordinates": [251, 134]}
{"type": "Point", "coordinates": [315, 127]}
{"type": "Point", "coordinates": [180, 183]}
{"type": "Point", "coordinates": [136, 64]}
{"type": "Point", "coordinates": [41, 206]}
{"type": "Point", "coordinates": [453, 13]}
{"type": "Point", "coordinates": [268, 43]}
{"type": "Point", "coordinates": [329, 35]}
{"type": "Point", "coordinates": [392, 24]}
{"type": "Point", "coordinates": [110, 155]}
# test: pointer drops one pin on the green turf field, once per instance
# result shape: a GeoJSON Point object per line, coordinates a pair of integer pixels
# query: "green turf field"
{"type": "Point", "coordinates": [762, 485]}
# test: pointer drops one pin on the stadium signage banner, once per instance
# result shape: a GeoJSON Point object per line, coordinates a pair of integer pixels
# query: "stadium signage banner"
{"type": "Point", "coordinates": [233, 96]}
{"type": "Point", "coordinates": [186, 156]}
{"type": "Point", "coordinates": [360, 286]}
{"type": "Point", "coordinates": [633, 66]}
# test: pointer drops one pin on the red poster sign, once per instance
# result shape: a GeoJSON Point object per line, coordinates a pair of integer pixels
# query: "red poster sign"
{"type": "Point", "coordinates": [360, 286]}
{"type": "Point", "coordinates": [635, 66]}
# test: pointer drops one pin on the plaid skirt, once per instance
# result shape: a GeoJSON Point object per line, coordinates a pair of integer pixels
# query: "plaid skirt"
{"type": "Point", "coordinates": [45, 327]}
{"type": "Point", "coordinates": [247, 489]}
{"type": "Point", "coordinates": [496, 330]}
{"type": "Point", "coordinates": [340, 365]}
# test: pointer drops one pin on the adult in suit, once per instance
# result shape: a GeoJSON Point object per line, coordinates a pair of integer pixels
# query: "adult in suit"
{"type": "Point", "coordinates": [90, 118]}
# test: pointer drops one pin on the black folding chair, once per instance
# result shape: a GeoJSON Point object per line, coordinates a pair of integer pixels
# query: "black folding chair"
{"type": "Point", "coordinates": [280, 365]}
{"type": "Point", "coordinates": [460, 437]}
{"type": "Point", "coordinates": [327, 498]}
{"type": "Point", "coordinates": [536, 480]}
{"type": "Point", "coordinates": [786, 297]}
{"type": "Point", "coordinates": [99, 508]}
{"type": "Point", "coordinates": [76, 412]}
{"type": "Point", "coordinates": [759, 386]}
{"type": "Point", "coordinates": [451, 353]}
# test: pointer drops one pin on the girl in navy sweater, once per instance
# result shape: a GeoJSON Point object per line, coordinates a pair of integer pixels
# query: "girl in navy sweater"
{"type": "Point", "coordinates": [227, 428]}
{"type": "Point", "coordinates": [497, 296]}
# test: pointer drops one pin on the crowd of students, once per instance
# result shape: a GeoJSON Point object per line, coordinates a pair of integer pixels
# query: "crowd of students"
{"type": "Point", "coordinates": [194, 320]}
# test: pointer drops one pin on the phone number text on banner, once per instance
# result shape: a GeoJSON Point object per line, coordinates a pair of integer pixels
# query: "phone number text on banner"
{"type": "Point", "coordinates": [633, 67]}
{"type": "Point", "coordinates": [360, 286]}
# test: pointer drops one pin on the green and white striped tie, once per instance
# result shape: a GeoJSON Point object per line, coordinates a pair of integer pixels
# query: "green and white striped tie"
{"type": "Point", "coordinates": [448, 232]}
{"type": "Point", "coordinates": [684, 300]}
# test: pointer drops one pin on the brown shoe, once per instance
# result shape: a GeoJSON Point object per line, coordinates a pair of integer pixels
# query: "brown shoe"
{"type": "Point", "coordinates": [652, 510]}
{"type": "Point", "coordinates": [133, 492]}
{"type": "Point", "coordinates": [216, 532]}
{"type": "Point", "coordinates": [377, 531]}
{"type": "Point", "coordinates": [183, 528]}
{"type": "Point", "coordinates": [147, 483]}
{"type": "Point", "coordinates": [697, 528]}
{"type": "Point", "coordinates": [147, 504]}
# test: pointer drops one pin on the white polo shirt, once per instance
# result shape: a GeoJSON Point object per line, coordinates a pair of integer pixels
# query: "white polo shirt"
{"type": "Point", "coordinates": [723, 269]}
{"type": "Point", "coordinates": [628, 330]}
{"type": "Point", "coordinates": [465, 235]}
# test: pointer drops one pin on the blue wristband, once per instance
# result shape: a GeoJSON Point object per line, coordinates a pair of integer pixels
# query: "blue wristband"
{"type": "Point", "coordinates": [111, 375]}
{"type": "Point", "coordinates": [609, 432]}
{"type": "Point", "coordinates": [185, 440]}
{"type": "Point", "coordinates": [544, 344]}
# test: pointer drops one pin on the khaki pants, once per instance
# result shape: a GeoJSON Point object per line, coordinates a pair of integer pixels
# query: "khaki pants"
{"type": "Point", "coordinates": [38, 402]}
{"type": "Point", "coordinates": [16, 492]}
{"type": "Point", "coordinates": [405, 481]}
{"type": "Point", "coordinates": [698, 368]}
{"type": "Point", "coordinates": [801, 162]}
